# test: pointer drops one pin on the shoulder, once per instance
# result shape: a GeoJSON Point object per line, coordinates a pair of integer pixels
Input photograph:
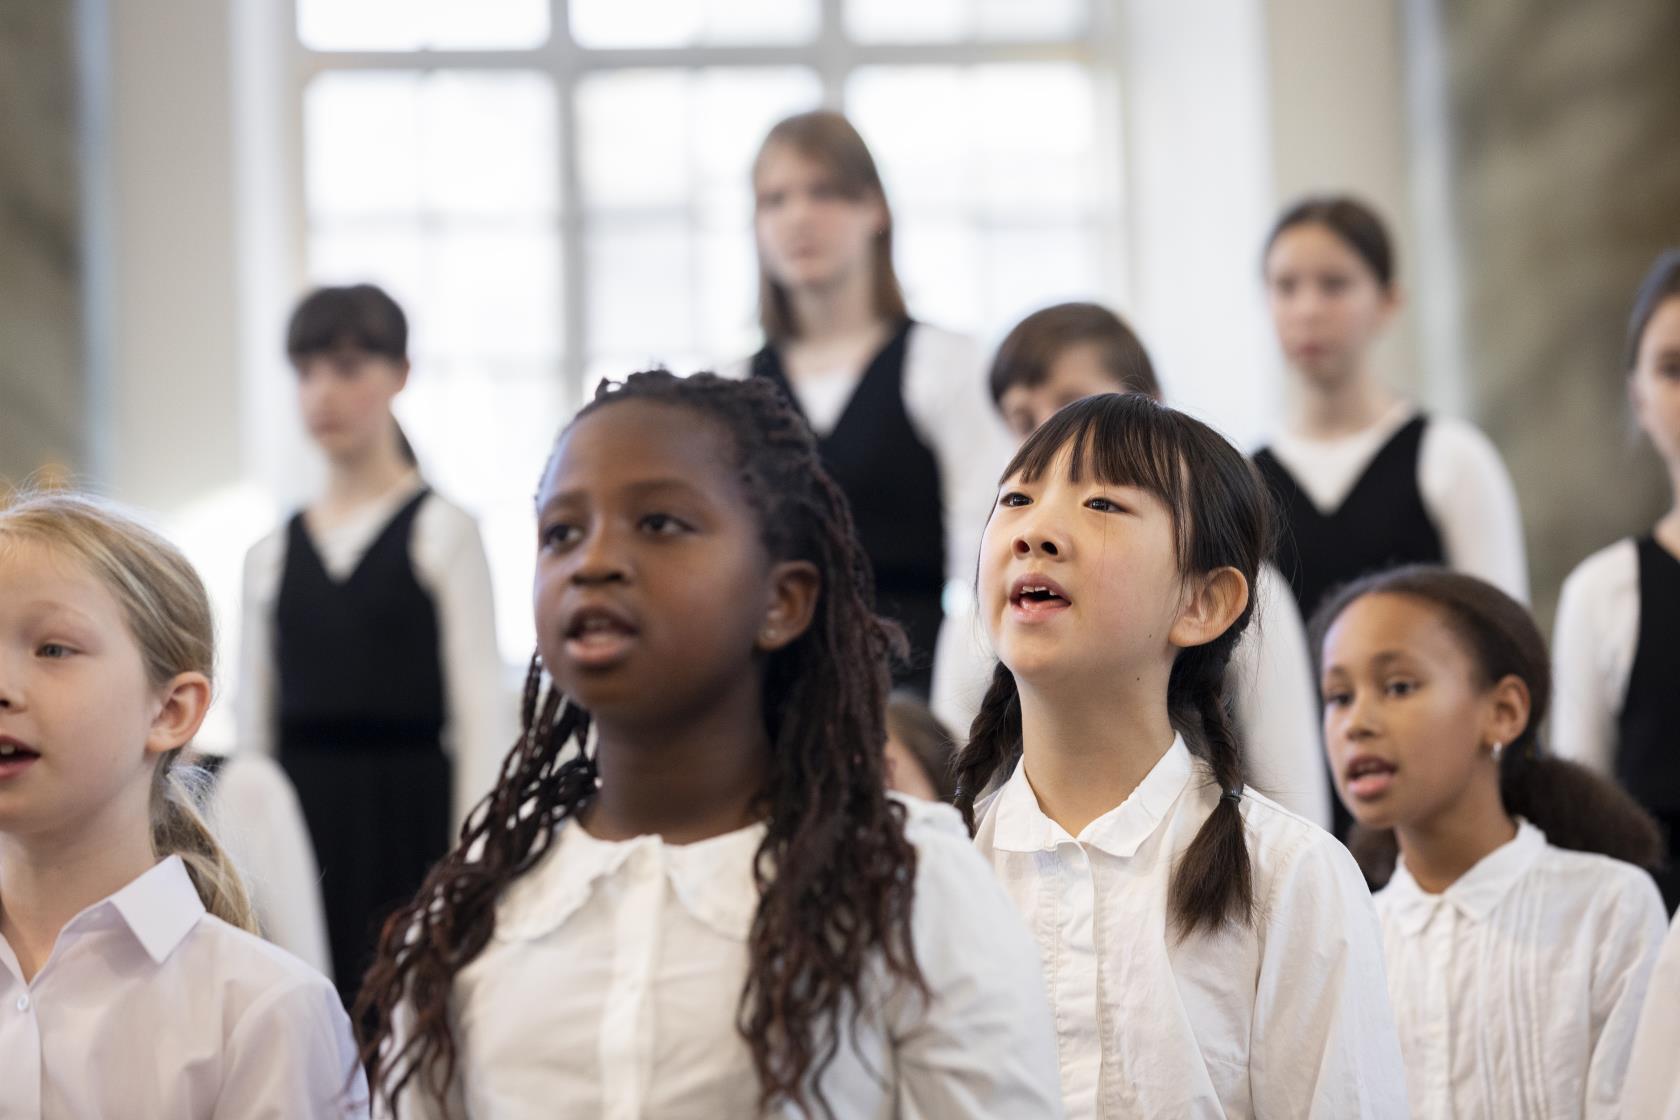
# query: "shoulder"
{"type": "Point", "coordinates": [264, 559]}
{"type": "Point", "coordinates": [443, 531]}
{"type": "Point", "coordinates": [1450, 440]}
{"type": "Point", "coordinates": [1600, 886]}
{"type": "Point", "coordinates": [259, 981]}
{"type": "Point", "coordinates": [947, 863]}
{"type": "Point", "coordinates": [736, 369]}
{"type": "Point", "coordinates": [935, 347]}
{"type": "Point", "coordinates": [446, 515]}
{"type": "Point", "coordinates": [1610, 571]}
{"type": "Point", "coordinates": [1291, 854]}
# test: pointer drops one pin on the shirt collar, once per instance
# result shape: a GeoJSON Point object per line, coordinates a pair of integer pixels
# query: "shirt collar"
{"type": "Point", "coordinates": [712, 879]}
{"type": "Point", "coordinates": [160, 908]}
{"type": "Point", "coordinates": [1023, 827]}
{"type": "Point", "coordinates": [1476, 893]}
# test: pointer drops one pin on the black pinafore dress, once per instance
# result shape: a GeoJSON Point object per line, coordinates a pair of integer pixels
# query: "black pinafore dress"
{"type": "Point", "coordinates": [1648, 746]}
{"type": "Point", "coordinates": [361, 714]}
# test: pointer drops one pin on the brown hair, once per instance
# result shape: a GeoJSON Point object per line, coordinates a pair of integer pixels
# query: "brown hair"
{"type": "Point", "coordinates": [355, 317]}
{"type": "Point", "coordinates": [168, 614]}
{"type": "Point", "coordinates": [830, 139]}
{"type": "Point", "coordinates": [1357, 224]}
{"type": "Point", "coordinates": [1574, 807]}
{"type": "Point", "coordinates": [1027, 352]}
{"type": "Point", "coordinates": [1222, 518]}
{"type": "Point", "coordinates": [1661, 284]}
{"type": "Point", "coordinates": [913, 723]}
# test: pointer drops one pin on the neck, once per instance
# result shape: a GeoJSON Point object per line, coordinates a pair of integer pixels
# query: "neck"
{"type": "Point", "coordinates": [1326, 409]}
{"type": "Point", "coordinates": [1667, 530]}
{"type": "Point", "coordinates": [835, 314]}
{"type": "Point", "coordinates": [1084, 757]}
{"type": "Point", "coordinates": [1439, 850]}
{"type": "Point", "coordinates": [693, 776]}
{"type": "Point", "coordinates": [367, 475]}
{"type": "Point", "coordinates": [47, 880]}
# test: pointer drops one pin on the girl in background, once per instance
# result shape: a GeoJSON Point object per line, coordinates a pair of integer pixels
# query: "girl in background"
{"type": "Point", "coordinates": [897, 405]}
{"type": "Point", "coordinates": [690, 894]}
{"type": "Point", "coordinates": [1208, 952]}
{"type": "Point", "coordinates": [920, 751]}
{"type": "Point", "coordinates": [1617, 652]}
{"type": "Point", "coordinates": [369, 665]}
{"type": "Point", "coordinates": [1518, 950]}
{"type": "Point", "coordinates": [1065, 353]}
{"type": "Point", "coordinates": [131, 977]}
{"type": "Point", "coordinates": [1366, 479]}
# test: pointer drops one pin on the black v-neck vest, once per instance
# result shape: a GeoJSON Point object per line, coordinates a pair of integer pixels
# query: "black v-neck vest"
{"type": "Point", "coordinates": [1382, 523]}
{"type": "Point", "coordinates": [889, 476]}
{"type": "Point", "coordinates": [359, 662]}
{"type": "Point", "coordinates": [1648, 754]}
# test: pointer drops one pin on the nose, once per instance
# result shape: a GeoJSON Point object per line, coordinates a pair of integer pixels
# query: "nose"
{"type": "Point", "coordinates": [599, 560]}
{"type": "Point", "coordinates": [1037, 535]}
{"type": "Point", "coordinates": [1026, 545]}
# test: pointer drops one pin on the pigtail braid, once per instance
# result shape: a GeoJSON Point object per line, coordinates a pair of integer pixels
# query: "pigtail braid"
{"type": "Point", "coordinates": [994, 742]}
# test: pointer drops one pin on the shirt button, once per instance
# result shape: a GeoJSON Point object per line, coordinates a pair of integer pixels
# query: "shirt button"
{"type": "Point", "coordinates": [23, 1003]}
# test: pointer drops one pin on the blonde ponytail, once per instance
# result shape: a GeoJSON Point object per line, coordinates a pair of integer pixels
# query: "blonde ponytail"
{"type": "Point", "coordinates": [179, 829]}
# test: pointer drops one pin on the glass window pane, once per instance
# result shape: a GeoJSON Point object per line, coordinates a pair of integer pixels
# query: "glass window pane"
{"type": "Point", "coordinates": [1031, 19]}
{"type": "Point", "coordinates": [727, 292]}
{"type": "Point", "coordinates": [488, 143]}
{"type": "Point", "coordinates": [944, 21]}
{"type": "Point", "coordinates": [641, 285]}
{"type": "Point", "coordinates": [362, 144]}
{"type": "Point", "coordinates": [940, 265]}
{"type": "Point", "coordinates": [1032, 267]}
{"type": "Point", "coordinates": [733, 109]}
{"type": "Point", "coordinates": [494, 294]}
{"type": "Point", "coordinates": [405, 25]}
{"type": "Point", "coordinates": [686, 23]}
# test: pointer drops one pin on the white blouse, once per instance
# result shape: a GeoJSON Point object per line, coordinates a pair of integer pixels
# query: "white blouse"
{"type": "Point", "coordinates": [255, 814]}
{"type": "Point", "coordinates": [1517, 988]}
{"type": "Point", "coordinates": [1289, 1017]}
{"type": "Point", "coordinates": [1595, 641]}
{"type": "Point", "coordinates": [150, 1007]}
{"type": "Point", "coordinates": [1466, 489]}
{"type": "Point", "coordinates": [610, 987]}
{"type": "Point", "coordinates": [950, 406]}
{"type": "Point", "coordinates": [1271, 676]}
{"type": "Point", "coordinates": [448, 559]}
{"type": "Point", "coordinates": [1653, 1078]}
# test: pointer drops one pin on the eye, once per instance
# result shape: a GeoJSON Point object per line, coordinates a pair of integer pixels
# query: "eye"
{"type": "Point", "coordinates": [54, 651]}
{"type": "Point", "coordinates": [1337, 698]}
{"type": "Point", "coordinates": [1013, 499]}
{"type": "Point", "coordinates": [664, 525]}
{"type": "Point", "coordinates": [1106, 505]}
{"type": "Point", "coordinates": [558, 535]}
{"type": "Point", "coordinates": [1401, 687]}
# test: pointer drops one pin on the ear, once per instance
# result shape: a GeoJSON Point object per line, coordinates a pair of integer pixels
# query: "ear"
{"type": "Point", "coordinates": [402, 373]}
{"type": "Point", "coordinates": [1215, 601]}
{"type": "Point", "coordinates": [1507, 716]}
{"type": "Point", "coordinates": [1394, 301]}
{"type": "Point", "coordinates": [184, 702]}
{"type": "Point", "coordinates": [795, 586]}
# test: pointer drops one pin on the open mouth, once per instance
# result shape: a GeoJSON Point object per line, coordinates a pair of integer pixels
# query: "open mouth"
{"type": "Point", "coordinates": [15, 757]}
{"type": "Point", "coordinates": [599, 636]}
{"type": "Point", "coordinates": [1368, 776]}
{"type": "Point", "coordinates": [1037, 596]}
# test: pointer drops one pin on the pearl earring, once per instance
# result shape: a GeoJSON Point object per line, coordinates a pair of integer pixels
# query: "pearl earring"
{"type": "Point", "coordinates": [1498, 751]}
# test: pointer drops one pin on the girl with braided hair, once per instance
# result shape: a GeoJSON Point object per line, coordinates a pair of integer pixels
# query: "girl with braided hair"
{"type": "Point", "coordinates": [689, 895]}
{"type": "Point", "coordinates": [1208, 952]}
{"type": "Point", "coordinates": [1520, 926]}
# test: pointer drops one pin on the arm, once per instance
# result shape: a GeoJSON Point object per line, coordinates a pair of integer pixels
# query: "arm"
{"type": "Point", "coordinates": [983, 1045]}
{"type": "Point", "coordinates": [254, 711]}
{"type": "Point", "coordinates": [1324, 1041]}
{"type": "Point", "coordinates": [1593, 647]}
{"type": "Point", "coordinates": [1277, 703]}
{"type": "Point", "coordinates": [1628, 941]}
{"type": "Point", "coordinates": [291, 1055]}
{"type": "Point", "coordinates": [1653, 1076]}
{"type": "Point", "coordinates": [1470, 496]}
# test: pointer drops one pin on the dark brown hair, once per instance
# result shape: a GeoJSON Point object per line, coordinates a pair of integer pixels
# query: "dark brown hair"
{"type": "Point", "coordinates": [913, 723]}
{"type": "Point", "coordinates": [835, 872]}
{"type": "Point", "coordinates": [829, 139]}
{"type": "Point", "coordinates": [1222, 518]}
{"type": "Point", "coordinates": [1027, 352]}
{"type": "Point", "coordinates": [1661, 284]}
{"type": "Point", "coordinates": [357, 317]}
{"type": "Point", "coordinates": [1349, 219]}
{"type": "Point", "coordinates": [1574, 807]}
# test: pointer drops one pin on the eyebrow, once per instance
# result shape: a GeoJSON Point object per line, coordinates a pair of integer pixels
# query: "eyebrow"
{"type": "Point", "coordinates": [640, 489]}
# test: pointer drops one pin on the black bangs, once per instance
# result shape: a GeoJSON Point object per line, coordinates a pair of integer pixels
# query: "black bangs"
{"type": "Point", "coordinates": [1122, 439]}
{"type": "Point", "coordinates": [360, 317]}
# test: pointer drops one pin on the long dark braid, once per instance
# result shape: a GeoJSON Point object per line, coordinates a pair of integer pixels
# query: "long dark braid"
{"type": "Point", "coordinates": [1222, 518]}
{"type": "Point", "coordinates": [835, 872]}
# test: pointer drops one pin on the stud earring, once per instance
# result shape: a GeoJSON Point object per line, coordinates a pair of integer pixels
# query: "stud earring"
{"type": "Point", "coordinates": [1498, 750]}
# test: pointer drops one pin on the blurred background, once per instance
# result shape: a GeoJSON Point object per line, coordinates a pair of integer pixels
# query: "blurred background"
{"type": "Point", "coordinates": [557, 191]}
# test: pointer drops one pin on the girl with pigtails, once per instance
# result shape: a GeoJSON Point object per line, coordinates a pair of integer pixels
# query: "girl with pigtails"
{"type": "Point", "coordinates": [1208, 952]}
{"type": "Point", "coordinates": [688, 894]}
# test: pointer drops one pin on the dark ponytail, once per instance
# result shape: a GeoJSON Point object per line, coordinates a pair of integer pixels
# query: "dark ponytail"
{"type": "Point", "coordinates": [1221, 516]}
{"type": "Point", "coordinates": [1574, 807]}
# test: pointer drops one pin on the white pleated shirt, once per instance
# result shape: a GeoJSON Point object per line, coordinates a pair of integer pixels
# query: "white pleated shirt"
{"type": "Point", "coordinates": [1287, 1018]}
{"type": "Point", "coordinates": [1653, 1076]}
{"type": "Point", "coordinates": [150, 1007]}
{"type": "Point", "coordinates": [1517, 989]}
{"type": "Point", "coordinates": [610, 988]}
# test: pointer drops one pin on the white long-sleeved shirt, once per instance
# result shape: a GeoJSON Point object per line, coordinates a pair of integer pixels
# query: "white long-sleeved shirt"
{"type": "Point", "coordinates": [1517, 989]}
{"type": "Point", "coordinates": [1287, 1017]}
{"type": "Point", "coordinates": [448, 559]}
{"type": "Point", "coordinates": [1595, 641]}
{"type": "Point", "coordinates": [1271, 675]}
{"type": "Point", "coordinates": [1653, 1075]}
{"type": "Point", "coordinates": [254, 812]}
{"type": "Point", "coordinates": [609, 992]}
{"type": "Point", "coordinates": [150, 1007]}
{"type": "Point", "coordinates": [949, 405]}
{"type": "Point", "coordinates": [1466, 489]}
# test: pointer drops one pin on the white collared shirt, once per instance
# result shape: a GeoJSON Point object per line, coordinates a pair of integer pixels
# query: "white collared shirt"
{"type": "Point", "coordinates": [1653, 1076]}
{"type": "Point", "coordinates": [1287, 1018]}
{"type": "Point", "coordinates": [610, 988]}
{"type": "Point", "coordinates": [150, 1007]}
{"type": "Point", "coordinates": [1595, 642]}
{"type": "Point", "coordinates": [1517, 988]}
